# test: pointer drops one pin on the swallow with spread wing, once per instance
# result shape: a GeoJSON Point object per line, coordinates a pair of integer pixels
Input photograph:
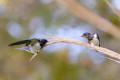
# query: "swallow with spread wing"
{"type": "Point", "coordinates": [31, 45]}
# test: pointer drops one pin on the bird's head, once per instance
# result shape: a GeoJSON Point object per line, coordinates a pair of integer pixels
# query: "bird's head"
{"type": "Point", "coordinates": [86, 35]}
{"type": "Point", "coordinates": [43, 41]}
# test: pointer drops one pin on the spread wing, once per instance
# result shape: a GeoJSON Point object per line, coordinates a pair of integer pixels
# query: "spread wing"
{"type": "Point", "coordinates": [20, 42]}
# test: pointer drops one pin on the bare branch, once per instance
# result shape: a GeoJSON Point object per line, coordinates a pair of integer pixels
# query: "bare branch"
{"type": "Point", "coordinates": [78, 42]}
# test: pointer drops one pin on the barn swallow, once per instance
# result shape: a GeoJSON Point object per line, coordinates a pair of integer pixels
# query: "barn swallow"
{"type": "Point", "coordinates": [93, 39]}
{"type": "Point", "coordinates": [31, 45]}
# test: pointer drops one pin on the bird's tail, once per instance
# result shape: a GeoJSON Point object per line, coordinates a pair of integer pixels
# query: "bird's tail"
{"type": "Point", "coordinates": [19, 42]}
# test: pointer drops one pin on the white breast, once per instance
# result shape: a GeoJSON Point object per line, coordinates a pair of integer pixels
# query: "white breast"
{"type": "Point", "coordinates": [95, 41]}
{"type": "Point", "coordinates": [35, 48]}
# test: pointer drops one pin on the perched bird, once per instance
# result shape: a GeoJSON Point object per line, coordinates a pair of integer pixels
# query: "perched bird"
{"type": "Point", "coordinates": [31, 45]}
{"type": "Point", "coordinates": [93, 39]}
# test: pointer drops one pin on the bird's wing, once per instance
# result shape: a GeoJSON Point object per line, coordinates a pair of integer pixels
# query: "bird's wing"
{"type": "Point", "coordinates": [26, 48]}
{"type": "Point", "coordinates": [19, 42]}
{"type": "Point", "coordinates": [98, 39]}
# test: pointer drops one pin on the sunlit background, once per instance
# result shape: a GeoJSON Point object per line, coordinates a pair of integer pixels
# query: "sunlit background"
{"type": "Point", "coordinates": [26, 19]}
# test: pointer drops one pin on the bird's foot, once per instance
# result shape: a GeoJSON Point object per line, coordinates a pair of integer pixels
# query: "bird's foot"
{"type": "Point", "coordinates": [32, 57]}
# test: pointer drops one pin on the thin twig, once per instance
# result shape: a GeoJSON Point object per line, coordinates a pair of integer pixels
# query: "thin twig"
{"type": "Point", "coordinates": [115, 10]}
{"type": "Point", "coordinates": [113, 60]}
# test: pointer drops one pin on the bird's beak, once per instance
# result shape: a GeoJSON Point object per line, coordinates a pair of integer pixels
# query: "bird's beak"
{"type": "Point", "coordinates": [82, 36]}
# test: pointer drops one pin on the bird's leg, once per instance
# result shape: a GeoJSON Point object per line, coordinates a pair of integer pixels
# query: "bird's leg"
{"type": "Point", "coordinates": [33, 57]}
